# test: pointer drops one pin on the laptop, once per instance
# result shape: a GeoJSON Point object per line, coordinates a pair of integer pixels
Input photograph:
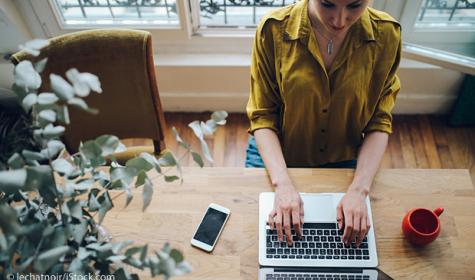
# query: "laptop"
{"type": "Point", "coordinates": [320, 246]}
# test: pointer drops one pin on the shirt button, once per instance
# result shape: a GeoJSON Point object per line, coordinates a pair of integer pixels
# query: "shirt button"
{"type": "Point", "coordinates": [324, 110]}
{"type": "Point", "coordinates": [323, 130]}
{"type": "Point", "coordinates": [322, 149]}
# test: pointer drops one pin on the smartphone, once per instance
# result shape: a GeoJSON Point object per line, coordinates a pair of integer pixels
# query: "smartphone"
{"type": "Point", "coordinates": [210, 227]}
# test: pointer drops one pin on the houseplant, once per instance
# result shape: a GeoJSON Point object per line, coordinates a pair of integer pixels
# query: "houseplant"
{"type": "Point", "coordinates": [52, 203]}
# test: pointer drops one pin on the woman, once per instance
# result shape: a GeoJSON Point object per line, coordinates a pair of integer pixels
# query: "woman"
{"type": "Point", "coordinates": [323, 84]}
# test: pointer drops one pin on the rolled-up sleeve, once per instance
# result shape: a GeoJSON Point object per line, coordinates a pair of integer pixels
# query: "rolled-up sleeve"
{"type": "Point", "coordinates": [382, 118]}
{"type": "Point", "coordinates": [264, 104]}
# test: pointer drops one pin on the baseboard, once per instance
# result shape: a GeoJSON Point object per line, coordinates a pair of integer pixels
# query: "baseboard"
{"type": "Point", "coordinates": [236, 102]}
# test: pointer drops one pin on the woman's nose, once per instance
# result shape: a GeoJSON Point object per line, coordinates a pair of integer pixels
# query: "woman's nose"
{"type": "Point", "coordinates": [339, 20]}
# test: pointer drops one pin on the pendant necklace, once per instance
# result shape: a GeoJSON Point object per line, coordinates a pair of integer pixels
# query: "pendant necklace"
{"type": "Point", "coordinates": [329, 43]}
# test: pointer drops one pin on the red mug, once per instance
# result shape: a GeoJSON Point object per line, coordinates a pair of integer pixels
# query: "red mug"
{"type": "Point", "coordinates": [421, 226]}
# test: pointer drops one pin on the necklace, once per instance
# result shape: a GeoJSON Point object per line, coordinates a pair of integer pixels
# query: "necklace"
{"type": "Point", "coordinates": [330, 40]}
{"type": "Point", "coordinates": [329, 44]}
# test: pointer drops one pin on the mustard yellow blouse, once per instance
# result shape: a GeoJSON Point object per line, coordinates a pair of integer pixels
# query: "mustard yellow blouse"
{"type": "Point", "coordinates": [322, 116]}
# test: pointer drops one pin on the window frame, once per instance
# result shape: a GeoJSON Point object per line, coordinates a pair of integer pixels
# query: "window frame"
{"type": "Point", "coordinates": [428, 35]}
{"type": "Point", "coordinates": [188, 38]}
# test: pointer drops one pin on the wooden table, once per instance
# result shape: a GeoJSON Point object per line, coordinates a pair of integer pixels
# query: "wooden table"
{"type": "Point", "coordinates": [176, 210]}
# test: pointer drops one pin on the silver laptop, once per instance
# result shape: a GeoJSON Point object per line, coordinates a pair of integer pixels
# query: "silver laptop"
{"type": "Point", "coordinates": [334, 273]}
{"type": "Point", "coordinates": [321, 244]}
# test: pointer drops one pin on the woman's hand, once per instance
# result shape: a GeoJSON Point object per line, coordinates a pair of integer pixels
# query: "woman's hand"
{"type": "Point", "coordinates": [352, 213]}
{"type": "Point", "coordinates": [287, 213]}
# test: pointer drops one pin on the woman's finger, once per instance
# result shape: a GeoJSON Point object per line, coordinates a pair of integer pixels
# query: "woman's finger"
{"type": "Point", "coordinates": [287, 227]}
{"type": "Point", "coordinates": [278, 224]}
{"type": "Point", "coordinates": [296, 222]}
{"type": "Point", "coordinates": [301, 212]}
{"type": "Point", "coordinates": [339, 216]}
{"type": "Point", "coordinates": [270, 220]}
{"type": "Point", "coordinates": [348, 227]}
{"type": "Point", "coordinates": [356, 227]}
{"type": "Point", "coordinates": [363, 231]}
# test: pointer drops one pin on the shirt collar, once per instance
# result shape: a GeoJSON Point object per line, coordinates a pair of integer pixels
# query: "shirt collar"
{"type": "Point", "coordinates": [298, 25]}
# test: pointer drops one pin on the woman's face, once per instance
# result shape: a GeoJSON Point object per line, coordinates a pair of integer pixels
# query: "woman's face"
{"type": "Point", "coordinates": [338, 15]}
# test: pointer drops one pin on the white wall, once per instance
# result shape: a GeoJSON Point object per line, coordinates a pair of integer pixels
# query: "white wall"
{"type": "Point", "coordinates": [426, 89]}
{"type": "Point", "coordinates": [194, 83]}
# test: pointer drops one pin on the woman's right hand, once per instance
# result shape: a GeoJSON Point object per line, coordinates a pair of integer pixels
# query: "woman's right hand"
{"type": "Point", "coordinates": [288, 212]}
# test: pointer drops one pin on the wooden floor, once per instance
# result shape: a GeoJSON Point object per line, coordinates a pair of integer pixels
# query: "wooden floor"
{"type": "Point", "coordinates": [418, 141]}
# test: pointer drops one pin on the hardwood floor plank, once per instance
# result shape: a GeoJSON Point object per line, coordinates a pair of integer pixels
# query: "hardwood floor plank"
{"type": "Point", "coordinates": [407, 147]}
{"type": "Point", "coordinates": [438, 127]}
{"type": "Point", "coordinates": [395, 151]}
{"type": "Point", "coordinates": [416, 142]}
{"type": "Point", "coordinates": [430, 147]}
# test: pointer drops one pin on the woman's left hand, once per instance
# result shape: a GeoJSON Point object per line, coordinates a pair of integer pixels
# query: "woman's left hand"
{"type": "Point", "coordinates": [352, 213]}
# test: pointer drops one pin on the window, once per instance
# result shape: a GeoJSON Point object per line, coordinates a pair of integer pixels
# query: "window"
{"type": "Point", "coordinates": [446, 14]}
{"type": "Point", "coordinates": [448, 25]}
{"type": "Point", "coordinates": [236, 13]}
{"type": "Point", "coordinates": [100, 12]}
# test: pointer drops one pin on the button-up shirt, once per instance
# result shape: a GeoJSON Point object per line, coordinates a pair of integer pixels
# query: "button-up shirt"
{"type": "Point", "coordinates": [322, 116]}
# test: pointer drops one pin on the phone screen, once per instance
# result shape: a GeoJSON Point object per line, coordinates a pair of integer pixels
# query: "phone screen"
{"type": "Point", "coordinates": [210, 226]}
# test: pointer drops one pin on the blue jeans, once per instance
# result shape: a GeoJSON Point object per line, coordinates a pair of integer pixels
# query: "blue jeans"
{"type": "Point", "coordinates": [254, 159]}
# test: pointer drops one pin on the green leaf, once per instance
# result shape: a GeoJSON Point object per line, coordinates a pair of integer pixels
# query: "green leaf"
{"type": "Point", "coordinates": [207, 128]}
{"type": "Point", "coordinates": [31, 155]}
{"type": "Point", "coordinates": [92, 152]}
{"type": "Point", "coordinates": [29, 101]}
{"type": "Point", "coordinates": [108, 144]}
{"type": "Point", "coordinates": [16, 161]}
{"type": "Point", "coordinates": [75, 209]}
{"type": "Point", "coordinates": [152, 160]}
{"type": "Point", "coordinates": [9, 221]}
{"type": "Point", "coordinates": [123, 173]}
{"type": "Point", "coordinates": [179, 139]}
{"type": "Point", "coordinates": [78, 231]}
{"type": "Point", "coordinates": [63, 166]}
{"type": "Point", "coordinates": [171, 178]}
{"type": "Point", "coordinates": [139, 164]}
{"type": "Point", "coordinates": [61, 87]}
{"type": "Point", "coordinates": [63, 114]}
{"type": "Point", "coordinates": [176, 255]}
{"type": "Point", "coordinates": [143, 252]}
{"type": "Point", "coordinates": [51, 131]}
{"type": "Point", "coordinates": [53, 148]}
{"type": "Point", "coordinates": [140, 178]}
{"type": "Point", "coordinates": [167, 159]}
{"type": "Point", "coordinates": [47, 259]}
{"type": "Point", "coordinates": [34, 46]}
{"type": "Point", "coordinates": [47, 98]}
{"type": "Point", "coordinates": [93, 203]}
{"type": "Point", "coordinates": [40, 65]}
{"type": "Point", "coordinates": [197, 158]}
{"type": "Point", "coordinates": [84, 184]}
{"type": "Point", "coordinates": [26, 77]}
{"type": "Point", "coordinates": [13, 180]}
{"type": "Point", "coordinates": [128, 198]}
{"type": "Point", "coordinates": [81, 104]}
{"type": "Point", "coordinates": [47, 116]}
{"type": "Point", "coordinates": [41, 178]}
{"type": "Point", "coordinates": [196, 127]}
{"type": "Point", "coordinates": [83, 82]}
{"type": "Point", "coordinates": [147, 193]}
{"type": "Point", "coordinates": [132, 251]}
{"type": "Point", "coordinates": [106, 205]}
{"type": "Point", "coordinates": [205, 150]}
{"type": "Point", "coordinates": [219, 117]}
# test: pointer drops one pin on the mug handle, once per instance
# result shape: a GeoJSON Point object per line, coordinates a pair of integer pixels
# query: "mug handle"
{"type": "Point", "coordinates": [439, 211]}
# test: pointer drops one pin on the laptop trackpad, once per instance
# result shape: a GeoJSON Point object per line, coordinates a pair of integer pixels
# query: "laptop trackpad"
{"type": "Point", "coordinates": [319, 208]}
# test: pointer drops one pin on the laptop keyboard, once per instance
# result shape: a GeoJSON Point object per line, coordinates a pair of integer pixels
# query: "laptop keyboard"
{"type": "Point", "coordinates": [315, 276]}
{"type": "Point", "coordinates": [319, 241]}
